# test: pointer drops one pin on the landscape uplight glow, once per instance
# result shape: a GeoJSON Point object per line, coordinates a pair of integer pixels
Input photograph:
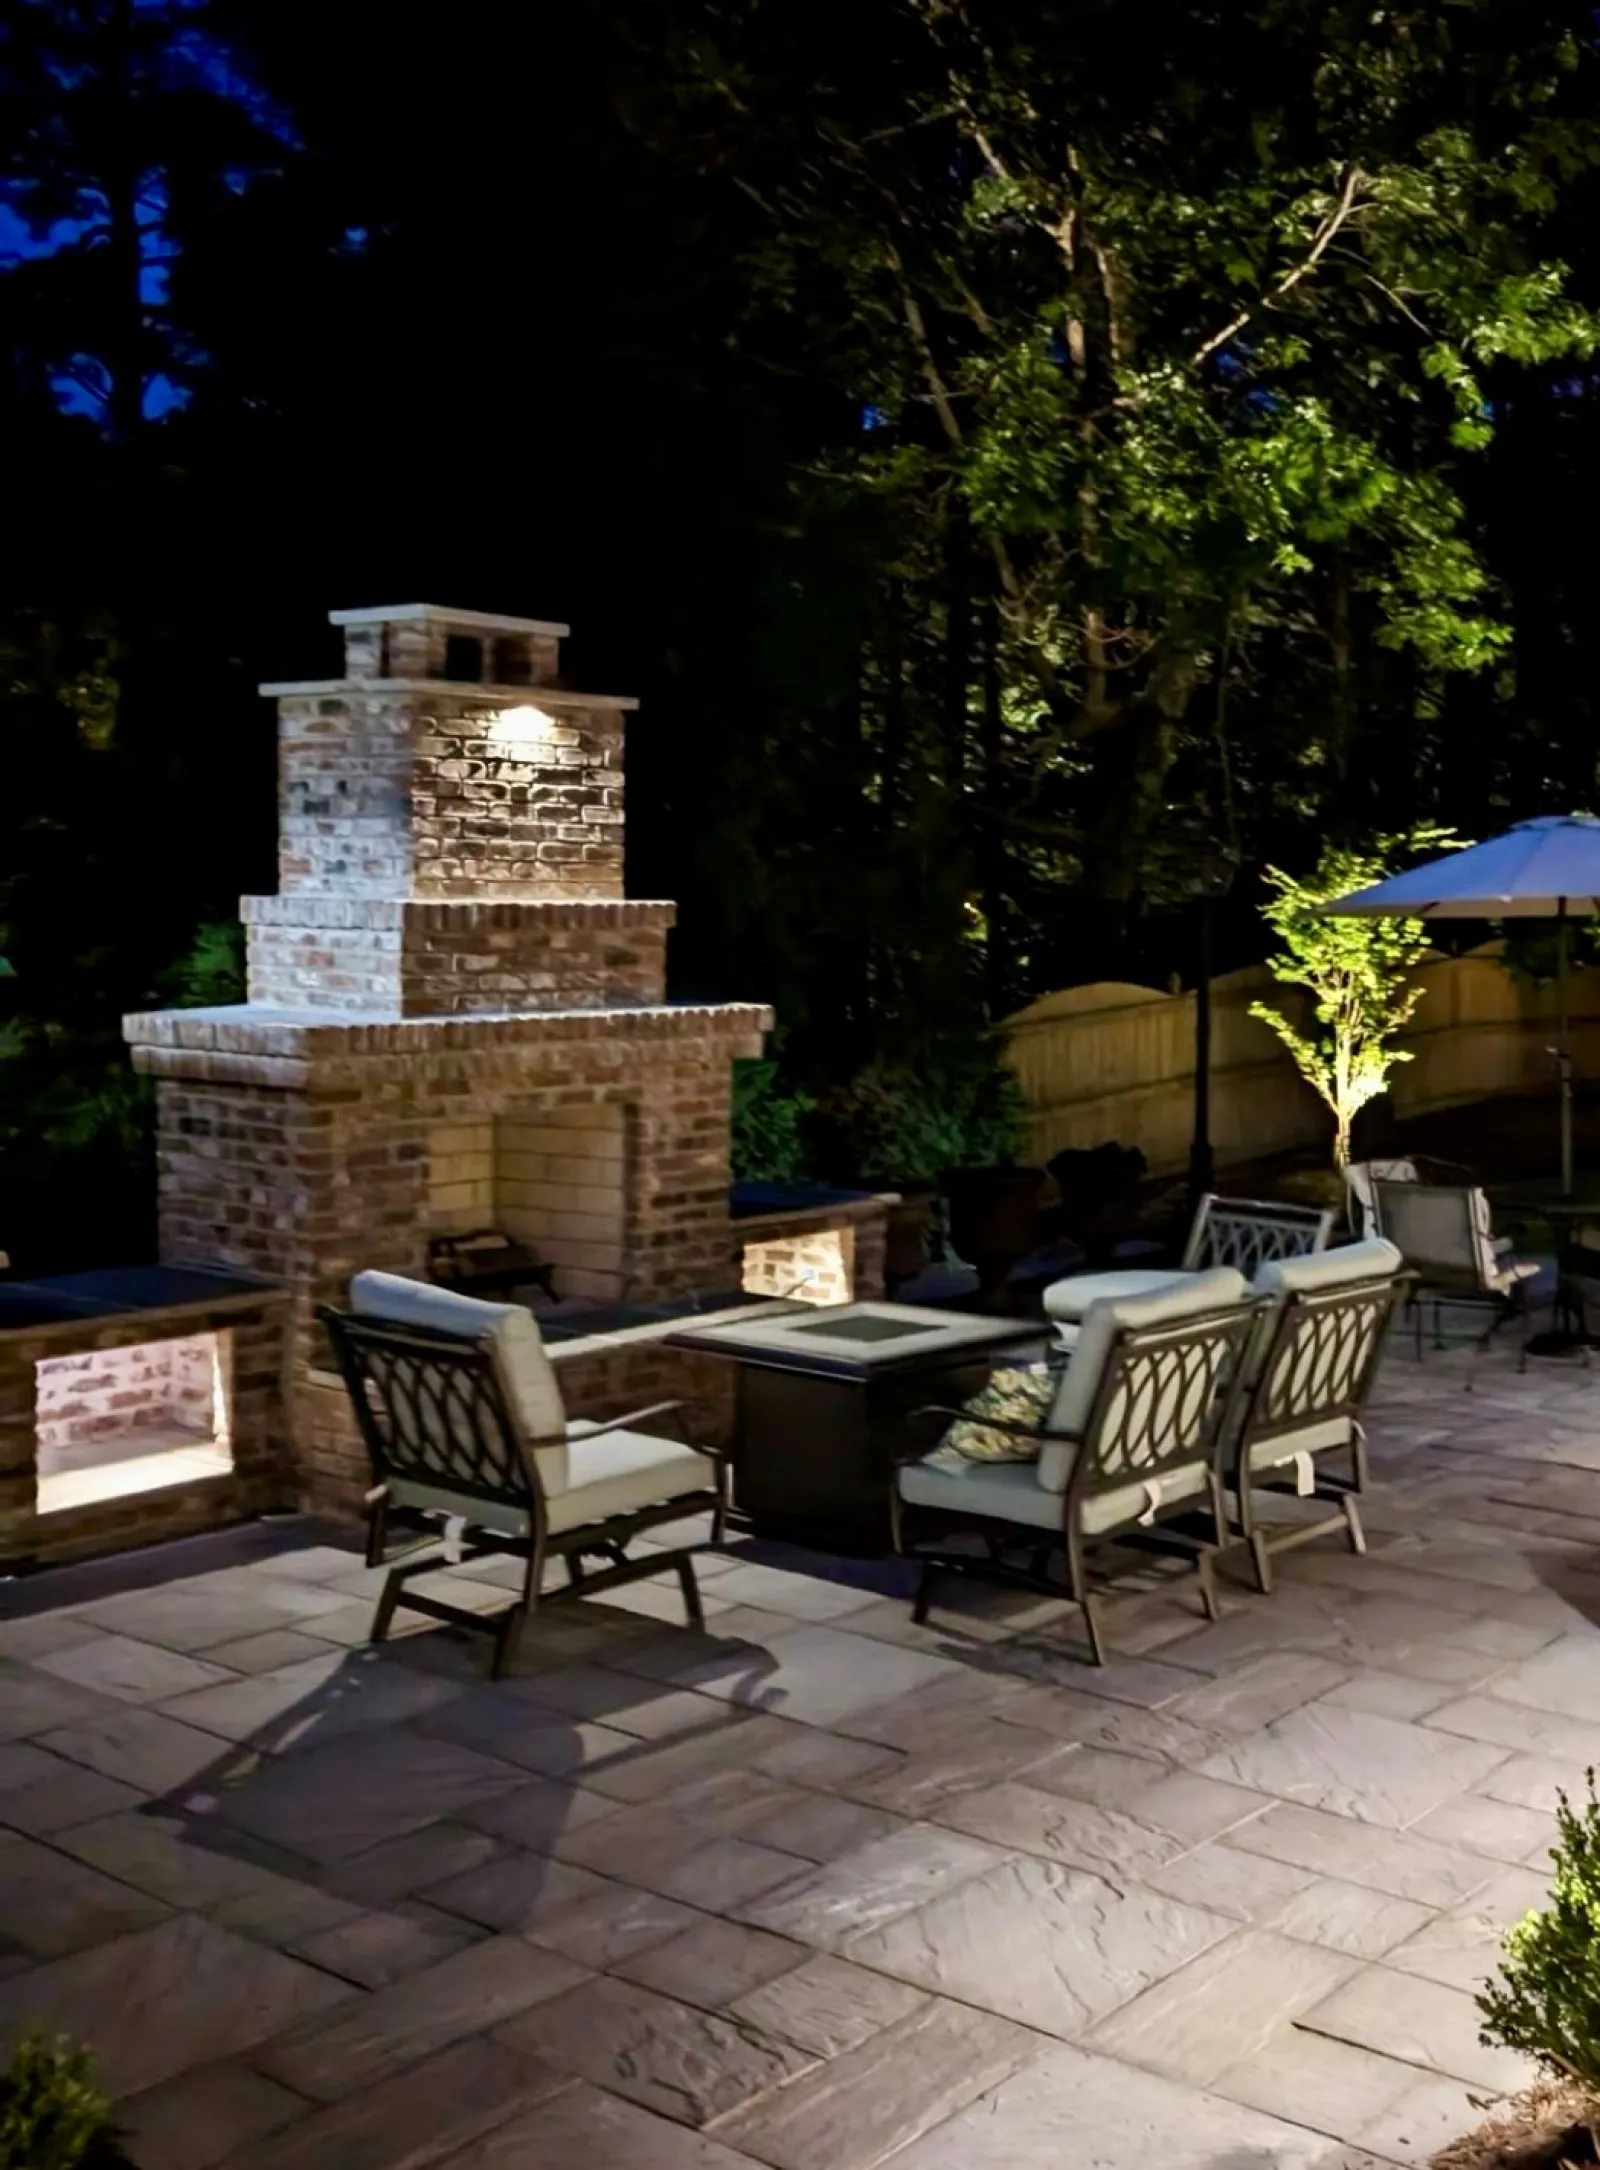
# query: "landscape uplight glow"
{"type": "Point", "coordinates": [523, 726]}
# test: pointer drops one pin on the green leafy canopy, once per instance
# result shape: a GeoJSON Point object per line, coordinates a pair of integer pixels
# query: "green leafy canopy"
{"type": "Point", "coordinates": [1356, 971]}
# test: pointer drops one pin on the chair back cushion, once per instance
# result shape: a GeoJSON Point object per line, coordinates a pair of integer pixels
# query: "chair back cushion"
{"type": "Point", "coordinates": [1442, 1229]}
{"type": "Point", "coordinates": [1372, 1258]}
{"type": "Point", "coordinates": [522, 1366]}
{"type": "Point", "coordinates": [1075, 1399]}
{"type": "Point", "coordinates": [1361, 1176]}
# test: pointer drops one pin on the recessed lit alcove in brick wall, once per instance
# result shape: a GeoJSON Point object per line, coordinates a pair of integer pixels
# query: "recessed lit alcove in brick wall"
{"type": "Point", "coordinates": [456, 1016]}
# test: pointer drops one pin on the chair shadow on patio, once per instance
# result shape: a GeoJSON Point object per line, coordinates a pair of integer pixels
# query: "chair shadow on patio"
{"type": "Point", "coordinates": [407, 1806]}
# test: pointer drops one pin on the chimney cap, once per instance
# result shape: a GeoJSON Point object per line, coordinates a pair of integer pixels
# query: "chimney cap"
{"type": "Point", "coordinates": [453, 621]}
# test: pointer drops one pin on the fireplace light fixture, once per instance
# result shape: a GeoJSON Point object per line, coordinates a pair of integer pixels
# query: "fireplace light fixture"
{"type": "Point", "coordinates": [520, 726]}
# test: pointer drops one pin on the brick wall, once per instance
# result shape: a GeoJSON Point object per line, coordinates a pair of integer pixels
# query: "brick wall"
{"type": "Point", "coordinates": [814, 1268]}
{"type": "Point", "coordinates": [176, 1387]}
{"type": "Point", "coordinates": [400, 956]}
{"type": "Point", "coordinates": [560, 1188]}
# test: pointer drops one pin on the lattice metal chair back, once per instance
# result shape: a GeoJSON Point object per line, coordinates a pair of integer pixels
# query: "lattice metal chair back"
{"type": "Point", "coordinates": [1247, 1232]}
{"type": "Point", "coordinates": [1163, 1397]}
{"type": "Point", "coordinates": [1299, 1430]}
{"type": "Point", "coordinates": [432, 1413]}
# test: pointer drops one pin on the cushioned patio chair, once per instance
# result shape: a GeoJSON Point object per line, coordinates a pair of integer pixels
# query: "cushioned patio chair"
{"type": "Point", "coordinates": [1361, 1176]}
{"type": "Point", "coordinates": [1240, 1232]}
{"type": "Point", "coordinates": [1129, 1442]}
{"type": "Point", "coordinates": [462, 1416]}
{"type": "Point", "coordinates": [1445, 1234]}
{"type": "Point", "coordinates": [1318, 1346]}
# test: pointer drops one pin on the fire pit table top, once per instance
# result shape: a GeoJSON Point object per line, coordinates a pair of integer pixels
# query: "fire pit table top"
{"type": "Point", "coordinates": [857, 1340]}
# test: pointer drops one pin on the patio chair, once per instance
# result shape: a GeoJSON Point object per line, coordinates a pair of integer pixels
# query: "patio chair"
{"type": "Point", "coordinates": [1445, 1234]}
{"type": "Point", "coordinates": [462, 1416]}
{"type": "Point", "coordinates": [1319, 1344]}
{"type": "Point", "coordinates": [1361, 1175]}
{"type": "Point", "coordinates": [1240, 1232]}
{"type": "Point", "coordinates": [1129, 1442]}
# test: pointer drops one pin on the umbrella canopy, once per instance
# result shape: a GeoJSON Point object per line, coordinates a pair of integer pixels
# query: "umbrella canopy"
{"type": "Point", "coordinates": [1543, 869]}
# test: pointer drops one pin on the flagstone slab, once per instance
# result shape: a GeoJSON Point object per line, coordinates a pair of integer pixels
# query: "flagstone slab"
{"type": "Point", "coordinates": [157, 2003]}
{"type": "Point", "coordinates": [1051, 1947]}
{"type": "Point", "coordinates": [339, 1800]}
{"type": "Point", "coordinates": [1376, 1770]}
{"type": "Point", "coordinates": [857, 2109]}
{"type": "Point", "coordinates": [861, 1891]}
{"type": "Point", "coordinates": [683, 2063]}
{"type": "Point", "coordinates": [1418, 2022]}
{"type": "Point", "coordinates": [1364, 1853]}
{"type": "Point", "coordinates": [1224, 2006]}
{"type": "Point", "coordinates": [1025, 1820]}
{"type": "Point", "coordinates": [50, 1905]}
{"type": "Point", "coordinates": [194, 2121]}
{"type": "Point", "coordinates": [828, 2005]}
{"type": "Point", "coordinates": [1070, 2106]}
{"type": "Point", "coordinates": [128, 1671]}
{"type": "Point", "coordinates": [591, 2130]}
{"type": "Point", "coordinates": [713, 1964]}
{"type": "Point", "coordinates": [373, 2037]}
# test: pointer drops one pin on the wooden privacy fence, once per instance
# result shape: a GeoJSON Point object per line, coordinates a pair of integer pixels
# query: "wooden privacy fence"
{"type": "Point", "coordinates": [1117, 1062]}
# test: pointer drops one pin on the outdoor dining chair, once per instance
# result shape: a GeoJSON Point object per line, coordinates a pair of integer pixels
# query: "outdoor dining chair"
{"type": "Point", "coordinates": [462, 1417]}
{"type": "Point", "coordinates": [1128, 1443]}
{"type": "Point", "coordinates": [1445, 1234]}
{"type": "Point", "coordinates": [1244, 1233]}
{"type": "Point", "coordinates": [1361, 1175]}
{"type": "Point", "coordinates": [1320, 1341]}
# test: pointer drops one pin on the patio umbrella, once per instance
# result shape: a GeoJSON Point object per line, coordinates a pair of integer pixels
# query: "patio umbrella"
{"type": "Point", "coordinates": [1543, 869]}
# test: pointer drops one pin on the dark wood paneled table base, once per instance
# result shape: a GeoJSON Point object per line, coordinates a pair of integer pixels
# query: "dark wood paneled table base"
{"type": "Point", "coordinates": [823, 1398]}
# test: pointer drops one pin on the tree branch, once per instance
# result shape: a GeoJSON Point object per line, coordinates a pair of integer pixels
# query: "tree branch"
{"type": "Point", "coordinates": [1321, 240]}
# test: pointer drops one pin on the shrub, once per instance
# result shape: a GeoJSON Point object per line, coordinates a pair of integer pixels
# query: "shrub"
{"type": "Point", "coordinates": [909, 1121]}
{"type": "Point", "coordinates": [769, 1123]}
{"type": "Point", "coordinates": [52, 2114]}
{"type": "Point", "coordinates": [1546, 2002]}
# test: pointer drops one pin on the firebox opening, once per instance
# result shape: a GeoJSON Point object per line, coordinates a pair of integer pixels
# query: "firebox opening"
{"type": "Point", "coordinates": [550, 1178]}
{"type": "Point", "coordinates": [112, 1422]}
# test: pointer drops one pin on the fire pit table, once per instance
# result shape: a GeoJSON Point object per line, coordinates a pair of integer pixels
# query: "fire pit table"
{"type": "Point", "coordinates": [823, 1397]}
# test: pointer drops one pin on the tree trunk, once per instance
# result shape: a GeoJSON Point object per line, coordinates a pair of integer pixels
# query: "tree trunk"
{"type": "Point", "coordinates": [991, 821]}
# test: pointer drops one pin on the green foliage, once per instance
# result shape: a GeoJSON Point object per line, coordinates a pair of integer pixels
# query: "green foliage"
{"type": "Point", "coordinates": [212, 973]}
{"type": "Point", "coordinates": [1355, 970]}
{"type": "Point", "coordinates": [769, 1119]}
{"type": "Point", "coordinates": [954, 1106]}
{"type": "Point", "coordinates": [52, 2114]}
{"type": "Point", "coordinates": [1546, 2000]}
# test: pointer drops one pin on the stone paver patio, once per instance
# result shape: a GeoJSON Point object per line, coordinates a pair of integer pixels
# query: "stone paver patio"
{"type": "Point", "coordinates": [815, 1887]}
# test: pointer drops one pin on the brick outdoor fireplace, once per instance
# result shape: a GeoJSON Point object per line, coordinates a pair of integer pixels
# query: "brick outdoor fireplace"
{"type": "Point", "coordinates": [455, 1017]}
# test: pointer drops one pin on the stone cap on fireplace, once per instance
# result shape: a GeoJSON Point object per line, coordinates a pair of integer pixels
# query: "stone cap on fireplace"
{"type": "Point", "coordinates": [454, 621]}
{"type": "Point", "coordinates": [426, 641]}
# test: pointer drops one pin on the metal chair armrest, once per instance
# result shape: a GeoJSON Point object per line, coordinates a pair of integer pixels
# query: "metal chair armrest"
{"type": "Point", "coordinates": [622, 1423]}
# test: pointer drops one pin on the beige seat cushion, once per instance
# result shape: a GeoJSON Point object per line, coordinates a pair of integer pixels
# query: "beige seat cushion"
{"type": "Point", "coordinates": [1067, 1301]}
{"type": "Point", "coordinates": [1010, 1492]}
{"type": "Point", "coordinates": [617, 1473]}
{"type": "Point", "coordinates": [1176, 1299]}
{"type": "Point", "coordinates": [620, 1472]}
{"type": "Point", "coordinates": [526, 1375]}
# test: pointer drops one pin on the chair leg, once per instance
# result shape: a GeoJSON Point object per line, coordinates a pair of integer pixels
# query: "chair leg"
{"type": "Point", "coordinates": [1261, 1557]}
{"type": "Point", "coordinates": [924, 1596]}
{"type": "Point", "coordinates": [383, 1618]}
{"type": "Point", "coordinates": [510, 1636]}
{"type": "Point", "coordinates": [1088, 1606]}
{"type": "Point", "coordinates": [1353, 1524]}
{"type": "Point", "coordinates": [691, 1593]}
{"type": "Point", "coordinates": [378, 1529]}
{"type": "Point", "coordinates": [1206, 1577]}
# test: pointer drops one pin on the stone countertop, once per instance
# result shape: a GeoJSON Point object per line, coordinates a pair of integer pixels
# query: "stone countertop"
{"type": "Point", "coordinates": [110, 1292]}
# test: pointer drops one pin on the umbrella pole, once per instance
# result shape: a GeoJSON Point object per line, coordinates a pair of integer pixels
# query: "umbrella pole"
{"type": "Point", "coordinates": [1564, 1048]}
